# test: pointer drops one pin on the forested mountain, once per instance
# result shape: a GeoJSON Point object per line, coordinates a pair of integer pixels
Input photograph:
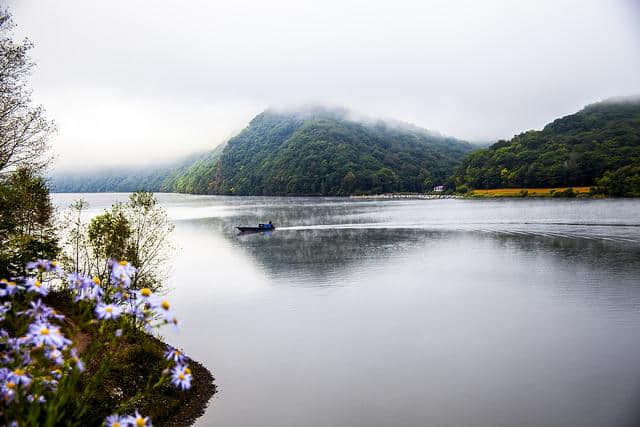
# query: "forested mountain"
{"type": "Point", "coordinates": [197, 176]}
{"type": "Point", "coordinates": [576, 150]}
{"type": "Point", "coordinates": [321, 151]}
{"type": "Point", "coordinates": [187, 175]}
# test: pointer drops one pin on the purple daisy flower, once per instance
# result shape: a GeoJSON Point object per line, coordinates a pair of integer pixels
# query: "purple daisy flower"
{"type": "Point", "coordinates": [78, 281]}
{"type": "Point", "coordinates": [92, 292]}
{"type": "Point", "coordinates": [8, 391]}
{"type": "Point", "coordinates": [115, 420]}
{"type": "Point", "coordinates": [35, 285]}
{"type": "Point", "coordinates": [121, 273]}
{"type": "Point", "coordinates": [174, 355]}
{"type": "Point", "coordinates": [44, 265]}
{"type": "Point", "coordinates": [108, 311]}
{"type": "Point", "coordinates": [137, 420]}
{"type": "Point", "coordinates": [79, 363]}
{"type": "Point", "coordinates": [181, 377]}
{"type": "Point", "coordinates": [55, 355]}
{"type": "Point", "coordinates": [19, 376]}
{"type": "Point", "coordinates": [8, 288]}
{"type": "Point", "coordinates": [44, 333]}
{"type": "Point", "coordinates": [41, 311]}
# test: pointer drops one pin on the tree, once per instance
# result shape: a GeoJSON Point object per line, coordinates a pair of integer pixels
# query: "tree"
{"type": "Point", "coordinates": [26, 213]}
{"type": "Point", "coordinates": [150, 247]}
{"type": "Point", "coordinates": [623, 182]}
{"type": "Point", "coordinates": [137, 231]}
{"type": "Point", "coordinates": [26, 221]}
{"type": "Point", "coordinates": [108, 238]}
{"type": "Point", "coordinates": [574, 150]}
{"type": "Point", "coordinates": [24, 130]}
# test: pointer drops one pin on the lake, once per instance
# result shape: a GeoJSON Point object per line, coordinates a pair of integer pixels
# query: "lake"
{"type": "Point", "coordinates": [515, 312]}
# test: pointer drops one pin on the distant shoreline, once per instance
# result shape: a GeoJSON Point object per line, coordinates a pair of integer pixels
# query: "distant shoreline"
{"type": "Point", "coordinates": [405, 196]}
{"type": "Point", "coordinates": [537, 192]}
{"type": "Point", "coordinates": [563, 192]}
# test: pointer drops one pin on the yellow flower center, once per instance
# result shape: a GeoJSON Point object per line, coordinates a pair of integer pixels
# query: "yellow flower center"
{"type": "Point", "coordinates": [44, 331]}
{"type": "Point", "coordinates": [19, 372]}
{"type": "Point", "coordinates": [140, 422]}
{"type": "Point", "coordinates": [11, 283]}
{"type": "Point", "coordinates": [96, 280]}
{"type": "Point", "coordinates": [115, 424]}
{"type": "Point", "coordinates": [54, 263]}
{"type": "Point", "coordinates": [123, 263]}
{"type": "Point", "coordinates": [37, 283]}
{"type": "Point", "coordinates": [187, 371]}
{"type": "Point", "coordinates": [145, 292]}
{"type": "Point", "coordinates": [3, 281]}
{"type": "Point", "coordinates": [108, 309]}
{"type": "Point", "coordinates": [11, 384]}
{"type": "Point", "coordinates": [165, 304]}
{"type": "Point", "coordinates": [181, 376]}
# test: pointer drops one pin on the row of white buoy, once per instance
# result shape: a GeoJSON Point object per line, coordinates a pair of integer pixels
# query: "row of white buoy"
{"type": "Point", "coordinates": [406, 196]}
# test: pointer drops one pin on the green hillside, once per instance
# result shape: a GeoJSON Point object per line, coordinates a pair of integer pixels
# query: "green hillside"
{"type": "Point", "coordinates": [187, 175]}
{"type": "Point", "coordinates": [322, 152]}
{"type": "Point", "coordinates": [196, 177]}
{"type": "Point", "coordinates": [576, 150]}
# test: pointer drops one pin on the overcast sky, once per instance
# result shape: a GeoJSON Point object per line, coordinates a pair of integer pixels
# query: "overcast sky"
{"type": "Point", "coordinates": [132, 81]}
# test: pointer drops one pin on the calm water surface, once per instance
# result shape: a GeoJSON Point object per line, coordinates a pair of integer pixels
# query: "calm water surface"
{"type": "Point", "coordinates": [410, 313]}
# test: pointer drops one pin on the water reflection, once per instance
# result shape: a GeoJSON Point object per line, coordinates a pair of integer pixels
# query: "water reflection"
{"type": "Point", "coordinates": [322, 255]}
{"type": "Point", "coordinates": [453, 313]}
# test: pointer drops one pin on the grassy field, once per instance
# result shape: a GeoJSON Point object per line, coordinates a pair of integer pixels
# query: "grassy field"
{"type": "Point", "coordinates": [531, 192]}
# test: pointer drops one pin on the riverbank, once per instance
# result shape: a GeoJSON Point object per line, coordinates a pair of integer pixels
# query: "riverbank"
{"type": "Point", "coordinates": [405, 196]}
{"type": "Point", "coordinates": [489, 193]}
{"type": "Point", "coordinates": [196, 399]}
{"type": "Point", "coordinates": [120, 375]}
{"type": "Point", "coordinates": [531, 192]}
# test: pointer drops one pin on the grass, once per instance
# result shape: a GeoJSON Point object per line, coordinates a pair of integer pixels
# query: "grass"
{"type": "Point", "coordinates": [531, 192]}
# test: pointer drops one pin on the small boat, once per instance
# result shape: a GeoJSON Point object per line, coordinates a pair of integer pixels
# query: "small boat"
{"type": "Point", "coordinates": [258, 229]}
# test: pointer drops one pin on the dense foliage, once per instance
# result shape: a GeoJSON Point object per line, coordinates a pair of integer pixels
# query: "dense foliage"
{"type": "Point", "coordinates": [623, 182]}
{"type": "Point", "coordinates": [26, 221]}
{"type": "Point", "coordinates": [197, 177]}
{"type": "Point", "coordinates": [311, 152]}
{"type": "Point", "coordinates": [574, 150]}
{"type": "Point", "coordinates": [323, 152]}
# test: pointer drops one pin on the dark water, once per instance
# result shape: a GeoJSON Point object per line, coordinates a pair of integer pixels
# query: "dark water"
{"type": "Point", "coordinates": [410, 313]}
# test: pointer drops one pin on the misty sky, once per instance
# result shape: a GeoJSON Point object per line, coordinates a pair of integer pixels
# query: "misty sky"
{"type": "Point", "coordinates": [132, 81]}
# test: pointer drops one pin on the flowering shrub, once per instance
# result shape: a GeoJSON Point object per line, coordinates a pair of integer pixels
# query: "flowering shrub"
{"type": "Point", "coordinates": [40, 365]}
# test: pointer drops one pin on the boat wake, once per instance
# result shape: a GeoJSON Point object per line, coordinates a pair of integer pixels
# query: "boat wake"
{"type": "Point", "coordinates": [616, 232]}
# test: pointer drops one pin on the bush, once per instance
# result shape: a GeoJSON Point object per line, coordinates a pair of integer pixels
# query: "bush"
{"type": "Point", "coordinates": [623, 182]}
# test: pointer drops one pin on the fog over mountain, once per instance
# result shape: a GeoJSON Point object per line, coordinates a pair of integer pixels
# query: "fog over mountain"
{"type": "Point", "coordinates": [139, 83]}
